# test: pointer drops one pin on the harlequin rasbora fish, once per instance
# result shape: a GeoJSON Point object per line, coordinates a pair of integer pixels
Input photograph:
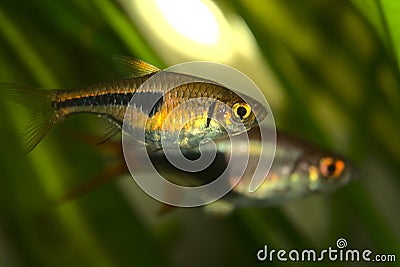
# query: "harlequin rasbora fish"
{"type": "Point", "coordinates": [160, 106]}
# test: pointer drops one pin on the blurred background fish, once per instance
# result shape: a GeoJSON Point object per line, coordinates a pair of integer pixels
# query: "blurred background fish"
{"type": "Point", "coordinates": [299, 169]}
{"type": "Point", "coordinates": [329, 69]}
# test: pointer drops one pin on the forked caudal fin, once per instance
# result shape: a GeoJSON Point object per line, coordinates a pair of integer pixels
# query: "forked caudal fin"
{"type": "Point", "coordinates": [44, 117]}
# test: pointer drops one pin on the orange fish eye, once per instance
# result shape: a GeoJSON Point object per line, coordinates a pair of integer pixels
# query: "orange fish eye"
{"type": "Point", "coordinates": [241, 110]}
{"type": "Point", "coordinates": [331, 168]}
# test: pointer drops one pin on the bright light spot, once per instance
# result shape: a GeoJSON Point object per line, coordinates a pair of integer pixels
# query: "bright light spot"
{"type": "Point", "coordinates": [191, 18]}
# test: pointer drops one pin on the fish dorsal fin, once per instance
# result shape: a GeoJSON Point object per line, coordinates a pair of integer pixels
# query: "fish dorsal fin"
{"type": "Point", "coordinates": [132, 67]}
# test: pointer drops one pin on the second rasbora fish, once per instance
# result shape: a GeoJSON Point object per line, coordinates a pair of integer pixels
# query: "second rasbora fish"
{"type": "Point", "coordinates": [299, 169]}
{"type": "Point", "coordinates": [156, 110]}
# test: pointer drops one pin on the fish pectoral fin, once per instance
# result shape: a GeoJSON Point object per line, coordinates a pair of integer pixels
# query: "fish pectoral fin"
{"type": "Point", "coordinates": [132, 67]}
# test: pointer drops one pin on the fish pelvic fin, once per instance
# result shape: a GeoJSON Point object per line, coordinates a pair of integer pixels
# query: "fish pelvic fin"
{"type": "Point", "coordinates": [45, 117]}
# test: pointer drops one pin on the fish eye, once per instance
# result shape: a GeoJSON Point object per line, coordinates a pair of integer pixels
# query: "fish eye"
{"type": "Point", "coordinates": [330, 167]}
{"type": "Point", "coordinates": [242, 110]}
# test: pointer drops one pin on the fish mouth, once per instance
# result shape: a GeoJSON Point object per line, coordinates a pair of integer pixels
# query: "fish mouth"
{"type": "Point", "coordinates": [352, 173]}
{"type": "Point", "coordinates": [260, 112]}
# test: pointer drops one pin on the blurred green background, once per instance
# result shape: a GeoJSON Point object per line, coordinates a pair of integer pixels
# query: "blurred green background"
{"type": "Point", "coordinates": [329, 69]}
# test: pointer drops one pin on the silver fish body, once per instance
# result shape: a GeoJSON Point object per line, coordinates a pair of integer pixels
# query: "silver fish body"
{"type": "Point", "coordinates": [298, 169]}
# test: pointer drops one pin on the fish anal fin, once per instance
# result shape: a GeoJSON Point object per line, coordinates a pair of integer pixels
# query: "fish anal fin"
{"type": "Point", "coordinates": [110, 130]}
{"type": "Point", "coordinates": [131, 67]}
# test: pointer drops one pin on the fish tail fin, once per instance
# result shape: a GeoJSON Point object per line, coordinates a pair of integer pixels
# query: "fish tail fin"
{"type": "Point", "coordinates": [44, 117]}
